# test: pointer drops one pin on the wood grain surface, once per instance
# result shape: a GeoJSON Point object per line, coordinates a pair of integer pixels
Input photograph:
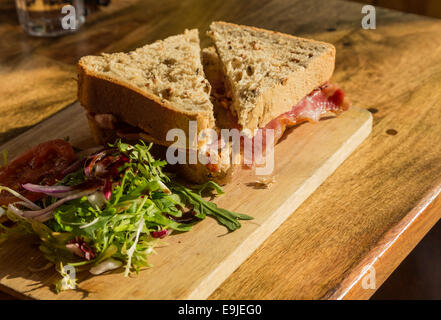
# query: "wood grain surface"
{"type": "Point", "coordinates": [395, 71]}
{"type": "Point", "coordinates": [194, 264]}
{"type": "Point", "coordinates": [430, 8]}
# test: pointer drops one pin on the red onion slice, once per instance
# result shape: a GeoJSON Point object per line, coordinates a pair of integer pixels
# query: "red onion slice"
{"type": "Point", "coordinates": [26, 205]}
{"type": "Point", "coordinates": [18, 195]}
{"type": "Point", "coordinates": [49, 190]}
{"type": "Point", "coordinates": [161, 234]}
{"type": "Point", "coordinates": [15, 210]}
{"type": "Point", "coordinates": [46, 213]}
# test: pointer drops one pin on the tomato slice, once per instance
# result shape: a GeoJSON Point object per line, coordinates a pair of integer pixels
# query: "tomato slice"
{"type": "Point", "coordinates": [43, 164]}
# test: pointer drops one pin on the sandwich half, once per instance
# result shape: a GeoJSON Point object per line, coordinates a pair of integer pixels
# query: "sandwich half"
{"type": "Point", "coordinates": [269, 80]}
{"type": "Point", "coordinates": [145, 93]}
{"type": "Point", "coordinates": [156, 88]}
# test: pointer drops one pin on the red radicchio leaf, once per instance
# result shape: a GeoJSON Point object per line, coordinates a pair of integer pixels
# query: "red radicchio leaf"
{"type": "Point", "coordinates": [79, 247]}
{"type": "Point", "coordinates": [104, 165]}
{"type": "Point", "coordinates": [107, 189]}
{"type": "Point", "coordinates": [160, 234]}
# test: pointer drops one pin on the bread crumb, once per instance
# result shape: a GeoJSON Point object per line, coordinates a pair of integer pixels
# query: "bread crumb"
{"type": "Point", "coordinates": [265, 182]}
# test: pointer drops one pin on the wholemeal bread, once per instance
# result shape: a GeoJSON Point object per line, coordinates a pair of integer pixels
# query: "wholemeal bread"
{"type": "Point", "coordinates": [267, 72]}
{"type": "Point", "coordinates": [214, 72]}
{"type": "Point", "coordinates": [220, 92]}
{"type": "Point", "coordinates": [158, 87]}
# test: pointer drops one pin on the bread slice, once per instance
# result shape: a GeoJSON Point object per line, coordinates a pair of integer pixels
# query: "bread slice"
{"type": "Point", "coordinates": [158, 87]}
{"type": "Point", "coordinates": [220, 92]}
{"type": "Point", "coordinates": [214, 73]}
{"type": "Point", "coordinates": [268, 72]}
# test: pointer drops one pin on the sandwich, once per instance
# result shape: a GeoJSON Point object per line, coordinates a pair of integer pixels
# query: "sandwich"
{"type": "Point", "coordinates": [269, 80]}
{"type": "Point", "coordinates": [251, 80]}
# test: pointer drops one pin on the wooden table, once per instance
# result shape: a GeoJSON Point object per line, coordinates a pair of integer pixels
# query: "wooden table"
{"type": "Point", "coordinates": [371, 212]}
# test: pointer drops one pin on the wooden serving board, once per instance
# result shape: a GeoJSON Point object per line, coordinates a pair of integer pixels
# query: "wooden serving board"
{"type": "Point", "coordinates": [193, 264]}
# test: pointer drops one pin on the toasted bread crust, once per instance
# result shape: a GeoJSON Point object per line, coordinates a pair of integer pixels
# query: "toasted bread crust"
{"type": "Point", "coordinates": [156, 117]}
{"type": "Point", "coordinates": [280, 98]}
{"type": "Point", "coordinates": [283, 97]}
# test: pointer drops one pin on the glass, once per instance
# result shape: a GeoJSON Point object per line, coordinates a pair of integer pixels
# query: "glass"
{"type": "Point", "coordinates": [49, 18]}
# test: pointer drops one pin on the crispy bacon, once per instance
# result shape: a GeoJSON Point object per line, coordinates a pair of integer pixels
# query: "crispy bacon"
{"type": "Point", "coordinates": [327, 98]}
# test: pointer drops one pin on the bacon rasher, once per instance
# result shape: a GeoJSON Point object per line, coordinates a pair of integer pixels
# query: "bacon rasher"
{"type": "Point", "coordinates": [328, 98]}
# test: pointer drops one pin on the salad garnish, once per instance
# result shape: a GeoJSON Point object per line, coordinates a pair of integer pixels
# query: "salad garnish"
{"type": "Point", "coordinates": [111, 210]}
